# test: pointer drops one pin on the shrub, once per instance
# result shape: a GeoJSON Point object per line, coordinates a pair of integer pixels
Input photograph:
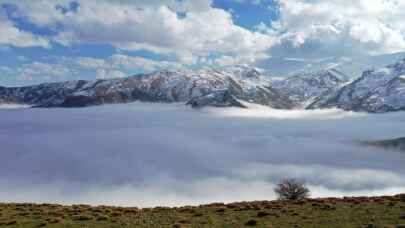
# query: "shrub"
{"type": "Point", "coordinates": [292, 189]}
{"type": "Point", "coordinates": [251, 222]}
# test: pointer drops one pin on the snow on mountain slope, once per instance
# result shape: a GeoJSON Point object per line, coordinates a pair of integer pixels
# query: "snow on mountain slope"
{"type": "Point", "coordinates": [305, 87]}
{"type": "Point", "coordinates": [239, 82]}
{"type": "Point", "coordinates": [379, 90]}
{"type": "Point", "coordinates": [352, 67]}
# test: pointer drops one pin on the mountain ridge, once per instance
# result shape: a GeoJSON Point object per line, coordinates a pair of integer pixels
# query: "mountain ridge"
{"type": "Point", "coordinates": [242, 83]}
{"type": "Point", "coordinates": [376, 91]}
{"type": "Point", "coordinates": [304, 87]}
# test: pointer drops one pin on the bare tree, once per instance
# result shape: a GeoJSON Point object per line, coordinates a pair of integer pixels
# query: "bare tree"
{"type": "Point", "coordinates": [291, 189]}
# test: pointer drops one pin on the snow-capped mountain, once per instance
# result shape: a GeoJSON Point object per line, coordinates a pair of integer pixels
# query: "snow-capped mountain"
{"type": "Point", "coordinates": [381, 90]}
{"type": "Point", "coordinates": [303, 88]}
{"type": "Point", "coordinates": [350, 66]}
{"type": "Point", "coordinates": [219, 87]}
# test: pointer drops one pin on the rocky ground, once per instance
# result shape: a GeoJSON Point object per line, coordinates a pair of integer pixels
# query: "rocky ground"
{"type": "Point", "coordinates": [387, 211]}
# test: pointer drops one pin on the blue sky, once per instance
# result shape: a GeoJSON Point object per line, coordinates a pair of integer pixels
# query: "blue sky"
{"type": "Point", "coordinates": [249, 14]}
{"type": "Point", "coordinates": [245, 14]}
{"type": "Point", "coordinates": [48, 40]}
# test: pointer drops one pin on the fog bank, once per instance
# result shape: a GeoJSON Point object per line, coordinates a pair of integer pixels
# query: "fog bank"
{"type": "Point", "coordinates": [167, 154]}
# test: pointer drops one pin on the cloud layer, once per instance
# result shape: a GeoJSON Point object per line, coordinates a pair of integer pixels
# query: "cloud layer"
{"type": "Point", "coordinates": [155, 154]}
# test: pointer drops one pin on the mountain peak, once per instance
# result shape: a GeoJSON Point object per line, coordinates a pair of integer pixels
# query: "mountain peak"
{"type": "Point", "coordinates": [379, 90]}
{"type": "Point", "coordinates": [306, 87]}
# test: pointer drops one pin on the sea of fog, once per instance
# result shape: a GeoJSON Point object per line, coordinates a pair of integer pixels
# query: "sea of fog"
{"type": "Point", "coordinates": [168, 154]}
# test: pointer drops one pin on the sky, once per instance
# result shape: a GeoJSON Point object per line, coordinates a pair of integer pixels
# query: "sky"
{"type": "Point", "coordinates": [49, 40]}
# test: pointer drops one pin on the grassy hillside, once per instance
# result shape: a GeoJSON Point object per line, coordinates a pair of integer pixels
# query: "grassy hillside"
{"type": "Point", "coordinates": [330, 212]}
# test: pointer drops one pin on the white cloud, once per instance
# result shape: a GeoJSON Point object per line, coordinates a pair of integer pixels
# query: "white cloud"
{"type": "Point", "coordinates": [68, 68]}
{"type": "Point", "coordinates": [120, 65]}
{"type": "Point", "coordinates": [339, 27]}
{"type": "Point", "coordinates": [194, 30]}
{"type": "Point", "coordinates": [254, 2]}
{"type": "Point", "coordinates": [227, 60]}
{"type": "Point", "coordinates": [102, 73]}
{"type": "Point", "coordinates": [184, 28]}
{"type": "Point", "coordinates": [88, 62]}
{"type": "Point", "coordinates": [5, 69]}
{"type": "Point", "coordinates": [11, 35]}
{"type": "Point", "coordinates": [43, 71]}
{"type": "Point", "coordinates": [133, 63]}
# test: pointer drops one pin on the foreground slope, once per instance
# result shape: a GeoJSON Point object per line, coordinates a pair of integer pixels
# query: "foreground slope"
{"type": "Point", "coordinates": [329, 212]}
{"type": "Point", "coordinates": [211, 86]}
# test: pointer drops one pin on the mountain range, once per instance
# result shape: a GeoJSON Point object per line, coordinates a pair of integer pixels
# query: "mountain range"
{"type": "Point", "coordinates": [378, 91]}
{"type": "Point", "coordinates": [214, 87]}
{"type": "Point", "coordinates": [375, 90]}
{"type": "Point", "coordinates": [303, 88]}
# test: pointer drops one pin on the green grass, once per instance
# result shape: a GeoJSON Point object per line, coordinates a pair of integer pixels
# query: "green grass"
{"type": "Point", "coordinates": [330, 212]}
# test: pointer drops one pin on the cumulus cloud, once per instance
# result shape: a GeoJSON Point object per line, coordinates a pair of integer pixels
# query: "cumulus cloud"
{"type": "Point", "coordinates": [43, 71]}
{"type": "Point", "coordinates": [335, 27]}
{"type": "Point", "coordinates": [154, 154]}
{"type": "Point", "coordinates": [194, 30]}
{"type": "Point", "coordinates": [11, 35]}
{"type": "Point", "coordinates": [185, 28]}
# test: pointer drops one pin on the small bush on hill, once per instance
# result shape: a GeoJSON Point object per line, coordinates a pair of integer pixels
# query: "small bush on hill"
{"type": "Point", "coordinates": [292, 189]}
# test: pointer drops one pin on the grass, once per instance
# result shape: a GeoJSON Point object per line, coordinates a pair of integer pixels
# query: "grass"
{"type": "Point", "coordinates": [387, 211]}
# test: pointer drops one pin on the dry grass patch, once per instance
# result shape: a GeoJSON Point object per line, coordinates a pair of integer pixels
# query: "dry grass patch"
{"type": "Point", "coordinates": [323, 213]}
